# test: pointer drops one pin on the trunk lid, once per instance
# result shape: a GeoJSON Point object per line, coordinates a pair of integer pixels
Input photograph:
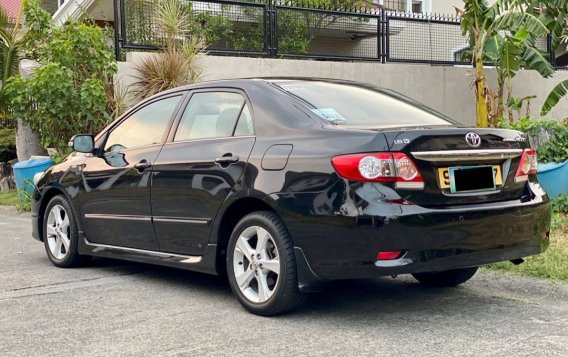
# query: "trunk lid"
{"type": "Point", "coordinates": [436, 150]}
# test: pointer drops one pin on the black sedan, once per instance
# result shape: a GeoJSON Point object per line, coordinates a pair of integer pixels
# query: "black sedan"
{"type": "Point", "coordinates": [286, 184]}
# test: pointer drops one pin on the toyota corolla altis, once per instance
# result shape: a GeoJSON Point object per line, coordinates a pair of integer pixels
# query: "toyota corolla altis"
{"type": "Point", "coordinates": [285, 184]}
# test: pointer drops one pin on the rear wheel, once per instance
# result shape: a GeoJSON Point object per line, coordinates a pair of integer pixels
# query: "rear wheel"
{"type": "Point", "coordinates": [261, 265]}
{"type": "Point", "coordinates": [448, 278]}
{"type": "Point", "coordinates": [60, 234]}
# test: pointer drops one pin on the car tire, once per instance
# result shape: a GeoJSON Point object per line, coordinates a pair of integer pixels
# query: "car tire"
{"type": "Point", "coordinates": [60, 234]}
{"type": "Point", "coordinates": [447, 278]}
{"type": "Point", "coordinates": [264, 279]}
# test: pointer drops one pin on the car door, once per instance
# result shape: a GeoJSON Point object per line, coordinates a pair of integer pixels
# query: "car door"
{"type": "Point", "coordinates": [198, 167]}
{"type": "Point", "coordinates": [116, 206]}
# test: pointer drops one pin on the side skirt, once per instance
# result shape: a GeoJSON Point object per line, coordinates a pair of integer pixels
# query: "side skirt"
{"type": "Point", "coordinates": [203, 264]}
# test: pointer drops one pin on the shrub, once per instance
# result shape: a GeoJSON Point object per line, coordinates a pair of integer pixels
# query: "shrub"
{"type": "Point", "coordinates": [560, 204]}
{"type": "Point", "coordinates": [7, 144]}
{"type": "Point", "coordinates": [549, 137]}
{"type": "Point", "coordinates": [67, 94]}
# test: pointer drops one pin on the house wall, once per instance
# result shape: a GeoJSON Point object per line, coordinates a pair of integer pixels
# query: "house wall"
{"type": "Point", "coordinates": [447, 6]}
{"type": "Point", "coordinates": [444, 88]}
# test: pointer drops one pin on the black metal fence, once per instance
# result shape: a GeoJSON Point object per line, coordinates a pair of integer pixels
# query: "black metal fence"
{"type": "Point", "coordinates": [292, 29]}
{"type": "Point", "coordinates": [6, 123]}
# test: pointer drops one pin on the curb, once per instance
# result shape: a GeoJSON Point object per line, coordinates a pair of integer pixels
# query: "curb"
{"type": "Point", "coordinates": [12, 211]}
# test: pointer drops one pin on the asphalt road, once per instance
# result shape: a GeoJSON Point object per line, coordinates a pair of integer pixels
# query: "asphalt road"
{"type": "Point", "coordinates": [117, 308]}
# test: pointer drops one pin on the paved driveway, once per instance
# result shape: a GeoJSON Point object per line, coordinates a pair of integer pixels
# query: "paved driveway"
{"type": "Point", "coordinates": [117, 308]}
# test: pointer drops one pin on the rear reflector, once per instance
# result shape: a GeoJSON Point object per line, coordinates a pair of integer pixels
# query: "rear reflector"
{"type": "Point", "coordinates": [392, 255]}
{"type": "Point", "coordinates": [527, 166]}
{"type": "Point", "coordinates": [384, 167]}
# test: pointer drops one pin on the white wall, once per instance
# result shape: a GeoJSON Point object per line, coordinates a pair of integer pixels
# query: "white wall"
{"type": "Point", "coordinates": [444, 88]}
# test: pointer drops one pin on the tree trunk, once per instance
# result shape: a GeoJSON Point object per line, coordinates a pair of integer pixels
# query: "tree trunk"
{"type": "Point", "coordinates": [480, 91]}
{"type": "Point", "coordinates": [27, 142]}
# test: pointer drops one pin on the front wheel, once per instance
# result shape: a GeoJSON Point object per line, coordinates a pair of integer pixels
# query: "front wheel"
{"type": "Point", "coordinates": [446, 279]}
{"type": "Point", "coordinates": [60, 234]}
{"type": "Point", "coordinates": [261, 265]}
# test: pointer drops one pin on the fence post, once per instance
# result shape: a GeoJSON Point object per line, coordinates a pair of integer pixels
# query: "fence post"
{"type": "Point", "coordinates": [117, 44]}
{"type": "Point", "coordinates": [273, 32]}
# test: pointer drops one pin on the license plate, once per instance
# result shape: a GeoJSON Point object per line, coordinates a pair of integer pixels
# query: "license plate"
{"type": "Point", "coordinates": [447, 175]}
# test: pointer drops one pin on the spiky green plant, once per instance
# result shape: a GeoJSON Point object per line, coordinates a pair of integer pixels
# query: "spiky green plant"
{"type": "Point", "coordinates": [174, 65]}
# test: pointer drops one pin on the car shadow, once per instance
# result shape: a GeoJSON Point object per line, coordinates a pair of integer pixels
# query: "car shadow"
{"type": "Point", "coordinates": [363, 299]}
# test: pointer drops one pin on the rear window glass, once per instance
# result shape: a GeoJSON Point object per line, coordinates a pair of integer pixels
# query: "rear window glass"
{"type": "Point", "coordinates": [351, 104]}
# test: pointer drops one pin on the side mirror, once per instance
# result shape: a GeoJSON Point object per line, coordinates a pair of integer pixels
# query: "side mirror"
{"type": "Point", "coordinates": [82, 143]}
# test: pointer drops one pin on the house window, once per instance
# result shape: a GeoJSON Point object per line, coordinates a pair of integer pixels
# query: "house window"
{"type": "Point", "coordinates": [415, 6]}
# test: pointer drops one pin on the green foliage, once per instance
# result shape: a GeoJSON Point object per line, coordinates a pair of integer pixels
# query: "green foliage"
{"type": "Point", "coordinates": [556, 149]}
{"type": "Point", "coordinates": [10, 54]}
{"type": "Point", "coordinates": [560, 204]}
{"type": "Point", "coordinates": [67, 94]}
{"type": "Point", "coordinates": [7, 144]}
{"type": "Point", "coordinates": [554, 97]}
{"type": "Point", "coordinates": [505, 34]}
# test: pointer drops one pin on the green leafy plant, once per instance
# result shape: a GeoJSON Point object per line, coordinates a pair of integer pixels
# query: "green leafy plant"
{"type": "Point", "coordinates": [548, 136]}
{"type": "Point", "coordinates": [560, 204]}
{"type": "Point", "coordinates": [68, 93]}
{"type": "Point", "coordinates": [557, 149]}
{"type": "Point", "coordinates": [7, 144]}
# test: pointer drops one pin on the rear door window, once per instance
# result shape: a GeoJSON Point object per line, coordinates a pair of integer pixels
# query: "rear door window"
{"type": "Point", "coordinates": [214, 115]}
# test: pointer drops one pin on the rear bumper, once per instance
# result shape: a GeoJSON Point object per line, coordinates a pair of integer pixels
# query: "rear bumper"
{"type": "Point", "coordinates": [346, 247]}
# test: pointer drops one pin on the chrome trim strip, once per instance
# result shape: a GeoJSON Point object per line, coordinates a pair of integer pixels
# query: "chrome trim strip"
{"type": "Point", "coordinates": [181, 220]}
{"type": "Point", "coordinates": [185, 259]}
{"type": "Point", "coordinates": [469, 155]}
{"type": "Point", "coordinates": [117, 217]}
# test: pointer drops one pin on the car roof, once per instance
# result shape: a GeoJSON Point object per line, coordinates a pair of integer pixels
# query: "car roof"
{"type": "Point", "coordinates": [256, 81]}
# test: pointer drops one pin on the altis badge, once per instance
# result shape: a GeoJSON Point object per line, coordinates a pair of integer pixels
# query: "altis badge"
{"type": "Point", "coordinates": [401, 141]}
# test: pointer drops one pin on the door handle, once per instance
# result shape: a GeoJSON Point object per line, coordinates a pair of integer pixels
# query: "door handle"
{"type": "Point", "coordinates": [142, 165]}
{"type": "Point", "coordinates": [227, 159]}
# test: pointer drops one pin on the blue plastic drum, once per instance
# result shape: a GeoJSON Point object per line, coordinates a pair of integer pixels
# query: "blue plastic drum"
{"type": "Point", "coordinates": [25, 171]}
{"type": "Point", "coordinates": [554, 178]}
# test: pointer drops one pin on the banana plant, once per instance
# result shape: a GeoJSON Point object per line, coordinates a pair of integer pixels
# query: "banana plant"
{"type": "Point", "coordinates": [504, 34]}
{"type": "Point", "coordinates": [559, 92]}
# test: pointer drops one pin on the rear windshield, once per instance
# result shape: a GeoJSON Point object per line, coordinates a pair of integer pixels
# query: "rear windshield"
{"type": "Point", "coordinates": [352, 104]}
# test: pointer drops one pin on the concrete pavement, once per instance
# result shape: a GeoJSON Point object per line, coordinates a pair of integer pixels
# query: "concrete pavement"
{"type": "Point", "coordinates": [116, 308]}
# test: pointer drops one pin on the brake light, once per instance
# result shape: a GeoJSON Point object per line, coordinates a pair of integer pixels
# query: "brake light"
{"type": "Point", "coordinates": [394, 168]}
{"type": "Point", "coordinates": [527, 166]}
{"type": "Point", "coordinates": [390, 255]}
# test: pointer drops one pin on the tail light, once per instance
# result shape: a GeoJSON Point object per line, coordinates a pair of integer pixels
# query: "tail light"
{"type": "Point", "coordinates": [527, 166]}
{"type": "Point", "coordinates": [394, 168]}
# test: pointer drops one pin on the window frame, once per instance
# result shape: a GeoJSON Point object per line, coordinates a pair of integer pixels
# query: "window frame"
{"type": "Point", "coordinates": [187, 100]}
{"type": "Point", "coordinates": [106, 133]}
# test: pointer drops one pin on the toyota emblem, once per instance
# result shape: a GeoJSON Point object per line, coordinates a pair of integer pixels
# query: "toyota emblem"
{"type": "Point", "coordinates": [473, 139]}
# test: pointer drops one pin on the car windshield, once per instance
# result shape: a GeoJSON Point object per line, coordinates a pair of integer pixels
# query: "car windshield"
{"type": "Point", "coordinates": [351, 104]}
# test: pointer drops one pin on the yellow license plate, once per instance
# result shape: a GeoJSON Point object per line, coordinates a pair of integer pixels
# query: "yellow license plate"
{"type": "Point", "coordinates": [444, 176]}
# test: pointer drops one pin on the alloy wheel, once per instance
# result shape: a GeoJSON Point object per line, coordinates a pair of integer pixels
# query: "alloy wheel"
{"type": "Point", "coordinates": [58, 232]}
{"type": "Point", "coordinates": [256, 264]}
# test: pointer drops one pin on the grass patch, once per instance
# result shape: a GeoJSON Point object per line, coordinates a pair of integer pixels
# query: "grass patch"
{"type": "Point", "coordinates": [11, 198]}
{"type": "Point", "coordinates": [553, 264]}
